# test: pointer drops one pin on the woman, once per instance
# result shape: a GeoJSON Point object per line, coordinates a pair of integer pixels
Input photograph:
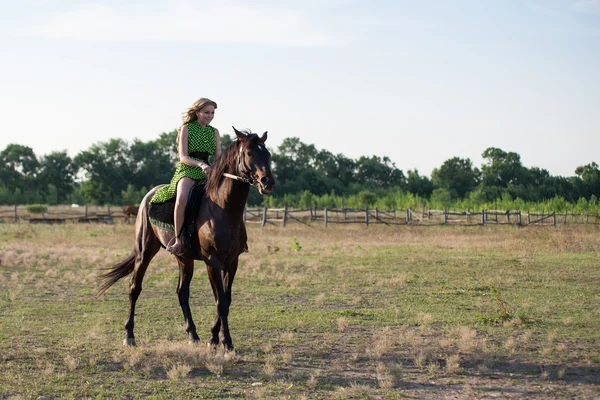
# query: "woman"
{"type": "Point", "coordinates": [196, 140]}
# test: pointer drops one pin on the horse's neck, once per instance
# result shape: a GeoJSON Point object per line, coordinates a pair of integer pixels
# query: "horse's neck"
{"type": "Point", "coordinates": [232, 196]}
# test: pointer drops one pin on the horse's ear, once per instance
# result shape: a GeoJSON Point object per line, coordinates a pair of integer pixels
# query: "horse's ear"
{"type": "Point", "coordinates": [240, 135]}
{"type": "Point", "coordinates": [263, 138]}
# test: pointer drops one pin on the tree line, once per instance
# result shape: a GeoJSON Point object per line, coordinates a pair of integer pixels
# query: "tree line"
{"type": "Point", "coordinates": [121, 172]}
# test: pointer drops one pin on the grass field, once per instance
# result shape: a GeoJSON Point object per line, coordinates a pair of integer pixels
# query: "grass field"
{"type": "Point", "coordinates": [342, 312]}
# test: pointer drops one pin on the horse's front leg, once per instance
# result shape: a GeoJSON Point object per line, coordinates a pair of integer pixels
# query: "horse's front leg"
{"type": "Point", "coordinates": [220, 281]}
{"type": "Point", "coordinates": [186, 272]}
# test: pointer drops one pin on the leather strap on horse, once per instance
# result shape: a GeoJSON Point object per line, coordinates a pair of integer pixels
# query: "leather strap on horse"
{"type": "Point", "coordinates": [239, 178]}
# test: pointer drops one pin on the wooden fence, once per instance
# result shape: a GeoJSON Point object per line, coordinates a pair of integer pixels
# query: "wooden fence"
{"type": "Point", "coordinates": [366, 216]}
{"type": "Point", "coordinates": [63, 214]}
{"type": "Point", "coordinates": [314, 216]}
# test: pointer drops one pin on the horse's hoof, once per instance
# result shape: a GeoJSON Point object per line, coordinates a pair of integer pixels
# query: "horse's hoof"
{"type": "Point", "coordinates": [129, 342]}
{"type": "Point", "coordinates": [228, 346]}
{"type": "Point", "coordinates": [194, 341]}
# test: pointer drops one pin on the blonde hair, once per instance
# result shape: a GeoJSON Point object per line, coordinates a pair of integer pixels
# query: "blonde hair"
{"type": "Point", "coordinates": [190, 114]}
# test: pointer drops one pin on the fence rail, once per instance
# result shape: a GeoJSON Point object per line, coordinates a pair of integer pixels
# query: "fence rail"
{"type": "Point", "coordinates": [366, 216]}
{"type": "Point", "coordinates": [311, 216]}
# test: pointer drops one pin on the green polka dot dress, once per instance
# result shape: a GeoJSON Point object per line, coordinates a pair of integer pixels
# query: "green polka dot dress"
{"type": "Point", "coordinates": [200, 139]}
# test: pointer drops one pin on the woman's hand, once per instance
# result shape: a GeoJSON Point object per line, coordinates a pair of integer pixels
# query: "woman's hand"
{"type": "Point", "coordinates": [205, 168]}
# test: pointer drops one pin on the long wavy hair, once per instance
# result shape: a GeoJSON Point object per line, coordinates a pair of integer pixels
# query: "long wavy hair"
{"type": "Point", "coordinates": [190, 114]}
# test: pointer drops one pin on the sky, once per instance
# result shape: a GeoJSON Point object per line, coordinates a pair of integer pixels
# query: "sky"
{"type": "Point", "coordinates": [417, 81]}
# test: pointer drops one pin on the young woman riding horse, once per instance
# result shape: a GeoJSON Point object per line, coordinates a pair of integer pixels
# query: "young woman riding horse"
{"type": "Point", "coordinates": [219, 233]}
{"type": "Point", "coordinates": [196, 140]}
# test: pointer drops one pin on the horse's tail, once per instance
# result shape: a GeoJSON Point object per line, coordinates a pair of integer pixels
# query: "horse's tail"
{"type": "Point", "coordinates": [117, 272]}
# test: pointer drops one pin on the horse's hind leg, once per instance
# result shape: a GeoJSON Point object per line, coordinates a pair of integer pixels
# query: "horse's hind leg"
{"type": "Point", "coordinates": [186, 272]}
{"type": "Point", "coordinates": [146, 247]}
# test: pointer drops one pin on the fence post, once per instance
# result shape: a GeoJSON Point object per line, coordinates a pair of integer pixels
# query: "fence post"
{"type": "Point", "coordinates": [376, 214]}
{"type": "Point", "coordinates": [528, 217]}
{"type": "Point", "coordinates": [554, 216]}
{"type": "Point", "coordinates": [16, 215]}
{"type": "Point", "coordinates": [508, 216]}
{"type": "Point", "coordinates": [264, 221]}
{"type": "Point", "coordinates": [244, 214]}
{"type": "Point", "coordinates": [520, 218]}
{"type": "Point", "coordinates": [367, 215]}
{"type": "Point", "coordinates": [445, 216]}
{"type": "Point", "coordinates": [587, 219]}
{"type": "Point", "coordinates": [325, 216]}
{"type": "Point", "coordinates": [407, 216]}
{"type": "Point", "coordinates": [566, 213]}
{"type": "Point", "coordinates": [284, 216]}
{"type": "Point", "coordinates": [482, 217]}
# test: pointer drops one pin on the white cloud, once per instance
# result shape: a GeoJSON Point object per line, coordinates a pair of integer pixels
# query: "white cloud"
{"type": "Point", "coordinates": [184, 21]}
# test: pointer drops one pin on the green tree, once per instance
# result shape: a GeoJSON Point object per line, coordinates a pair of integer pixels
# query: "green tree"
{"type": "Point", "coordinates": [502, 169]}
{"type": "Point", "coordinates": [375, 171]}
{"type": "Point", "coordinates": [57, 169]}
{"type": "Point", "coordinates": [457, 175]}
{"type": "Point", "coordinates": [441, 198]}
{"type": "Point", "coordinates": [108, 170]}
{"type": "Point", "coordinates": [167, 146]}
{"type": "Point", "coordinates": [18, 168]}
{"type": "Point", "coordinates": [417, 184]}
{"type": "Point", "coordinates": [590, 179]}
{"type": "Point", "coordinates": [149, 164]}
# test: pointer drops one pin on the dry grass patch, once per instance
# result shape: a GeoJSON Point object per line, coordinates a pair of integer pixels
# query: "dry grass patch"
{"type": "Point", "coordinates": [320, 299]}
{"type": "Point", "coordinates": [354, 391]}
{"type": "Point", "coordinates": [453, 364]}
{"type": "Point", "coordinates": [467, 339]}
{"type": "Point", "coordinates": [381, 344]}
{"type": "Point", "coordinates": [384, 378]}
{"type": "Point", "coordinates": [270, 368]}
{"type": "Point", "coordinates": [342, 324]}
{"type": "Point", "coordinates": [72, 363]}
{"type": "Point", "coordinates": [179, 371]}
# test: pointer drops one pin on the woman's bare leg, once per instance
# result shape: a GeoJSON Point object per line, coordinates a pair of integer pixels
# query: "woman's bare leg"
{"type": "Point", "coordinates": [183, 190]}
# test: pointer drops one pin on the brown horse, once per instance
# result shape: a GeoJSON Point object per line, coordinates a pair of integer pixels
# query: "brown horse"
{"type": "Point", "coordinates": [129, 211]}
{"type": "Point", "coordinates": [221, 235]}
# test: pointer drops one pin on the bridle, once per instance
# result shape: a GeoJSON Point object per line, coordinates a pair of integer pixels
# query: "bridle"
{"type": "Point", "coordinates": [250, 181]}
{"type": "Point", "coordinates": [239, 178]}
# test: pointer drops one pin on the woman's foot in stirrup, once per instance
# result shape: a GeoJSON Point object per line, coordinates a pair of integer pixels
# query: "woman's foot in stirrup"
{"type": "Point", "coordinates": [177, 248]}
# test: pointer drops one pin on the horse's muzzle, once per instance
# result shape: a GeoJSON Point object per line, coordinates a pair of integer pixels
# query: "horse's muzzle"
{"type": "Point", "coordinates": [265, 184]}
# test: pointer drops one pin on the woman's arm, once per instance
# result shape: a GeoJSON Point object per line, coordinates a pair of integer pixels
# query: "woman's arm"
{"type": "Point", "coordinates": [218, 138]}
{"type": "Point", "coordinates": [183, 151]}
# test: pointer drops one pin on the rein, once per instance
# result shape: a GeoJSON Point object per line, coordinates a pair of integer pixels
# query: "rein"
{"type": "Point", "coordinates": [239, 178]}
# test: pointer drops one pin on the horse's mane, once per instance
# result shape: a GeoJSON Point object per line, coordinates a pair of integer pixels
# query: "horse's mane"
{"type": "Point", "coordinates": [228, 157]}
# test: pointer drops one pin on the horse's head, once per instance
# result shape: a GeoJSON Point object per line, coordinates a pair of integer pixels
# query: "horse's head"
{"type": "Point", "coordinates": [254, 161]}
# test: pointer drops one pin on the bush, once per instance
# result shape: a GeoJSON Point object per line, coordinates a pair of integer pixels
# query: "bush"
{"type": "Point", "coordinates": [36, 208]}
